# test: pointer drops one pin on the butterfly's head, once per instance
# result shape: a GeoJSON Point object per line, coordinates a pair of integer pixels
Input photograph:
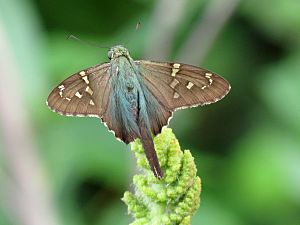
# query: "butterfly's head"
{"type": "Point", "coordinates": [117, 51]}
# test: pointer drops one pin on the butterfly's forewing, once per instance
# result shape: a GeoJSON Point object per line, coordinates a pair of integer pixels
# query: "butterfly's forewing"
{"type": "Point", "coordinates": [82, 94]}
{"type": "Point", "coordinates": [91, 92]}
{"type": "Point", "coordinates": [177, 86]}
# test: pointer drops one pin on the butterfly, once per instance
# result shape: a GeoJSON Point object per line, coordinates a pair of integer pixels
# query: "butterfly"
{"type": "Point", "coordinates": [136, 99]}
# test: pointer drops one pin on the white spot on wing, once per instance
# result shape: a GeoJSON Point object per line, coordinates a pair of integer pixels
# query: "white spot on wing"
{"type": "Point", "coordinates": [176, 95]}
{"type": "Point", "coordinates": [175, 69]}
{"type": "Point", "coordinates": [176, 65]}
{"type": "Point", "coordinates": [91, 102]}
{"type": "Point", "coordinates": [89, 90]}
{"type": "Point", "coordinates": [82, 73]}
{"type": "Point", "coordinates": [208, 76]}
{"type": "Point", "coordinates": [86, 80]}
{"type": "Point", "coordinates": [77, 94]}
{"type": "Point", "coordinates": [61, 89]}
{"type": "Point", "coordinates": [174, 83]}
{"type": "Point", "coordinates": [189, 85]}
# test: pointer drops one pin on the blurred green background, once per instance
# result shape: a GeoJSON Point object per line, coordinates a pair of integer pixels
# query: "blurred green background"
{"type": "Point", "coordinates": [63, 170]}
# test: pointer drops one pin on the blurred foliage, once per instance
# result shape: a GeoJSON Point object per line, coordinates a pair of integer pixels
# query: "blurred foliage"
{"type": "Point", "coordinates": [246, 147]}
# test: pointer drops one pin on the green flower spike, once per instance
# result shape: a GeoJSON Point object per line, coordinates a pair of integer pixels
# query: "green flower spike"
{"type": "Point", "coordinates": [171, 200]}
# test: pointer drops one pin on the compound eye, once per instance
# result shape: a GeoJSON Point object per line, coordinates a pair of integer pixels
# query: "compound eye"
{"type": "Point", "coordinates": [110, 54]}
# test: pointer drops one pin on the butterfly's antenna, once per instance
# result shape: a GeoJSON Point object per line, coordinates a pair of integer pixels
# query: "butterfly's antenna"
{"type": "Point", "coordinates": [137, 27]}
{"type": "Point", "coordinates": [88, 43]}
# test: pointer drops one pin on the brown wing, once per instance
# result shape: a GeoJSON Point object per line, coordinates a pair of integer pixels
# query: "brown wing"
{"type": "Point", "coordinates": [82, 94]}
{"type": "Point", "coordinates": [178, 85]}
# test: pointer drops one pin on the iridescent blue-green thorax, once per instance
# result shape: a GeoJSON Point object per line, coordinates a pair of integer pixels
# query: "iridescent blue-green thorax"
{"type": "Point", "coordinates": [124, 69]}
{"type": "Point", "coordinates": [117, 51]}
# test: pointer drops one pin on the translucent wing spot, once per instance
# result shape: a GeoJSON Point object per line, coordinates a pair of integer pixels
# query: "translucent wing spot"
{"type": "Point", "coordinates": [91, 102]}
{"type": "Point", "coordinates": [86, 80]}
{"type": "Point", "coordinates": [77, 94]}
{"type": "Point", "coordinates": [82, 73]}
{"type": "Point", "coordinates": [204, 87]}
{"type": "Point", "coordinates": [189, 85]}
{"type": "Point", "coordinates": [174, 83]}
{"type": "Point", "coordinates": [61, 89]}
{"type": "Point", "coordinates": [208, 76]}
{"type": "Point", "coordinates": [176, 95]}
{"type": "Point", "coordinates": [175, 69]}
{"type": "Point", "coordinates": [68, 99]}
{"type": "Point", "coordinates": [89, 90]}
{"type": "Point", "coordinates": [176, 65]}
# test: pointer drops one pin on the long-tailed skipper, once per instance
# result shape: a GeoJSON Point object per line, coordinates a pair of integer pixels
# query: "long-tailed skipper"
{"type": "Point", "coordinates": [135, 99]}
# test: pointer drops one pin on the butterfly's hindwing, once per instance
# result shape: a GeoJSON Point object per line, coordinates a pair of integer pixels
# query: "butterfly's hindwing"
{"type": "Point", "coordinates": [82, 94]}
{"type": "Point", "coordinates": [178, 85]}
{"type": "Point", "coordinates": [158, 114]}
